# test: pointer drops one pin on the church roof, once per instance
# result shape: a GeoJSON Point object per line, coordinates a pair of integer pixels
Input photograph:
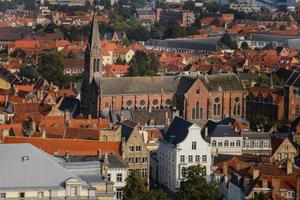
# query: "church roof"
{"type": "Point", "coordinates": [139, 85]}
{"type": "Point", "coordinates": [167, 84]}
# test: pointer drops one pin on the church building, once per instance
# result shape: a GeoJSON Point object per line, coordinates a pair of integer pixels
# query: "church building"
{"type": "Point", "coordinates": [196, 98]}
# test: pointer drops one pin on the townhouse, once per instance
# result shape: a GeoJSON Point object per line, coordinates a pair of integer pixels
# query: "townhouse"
{"type": "Point", "coordinates": [182, 146]}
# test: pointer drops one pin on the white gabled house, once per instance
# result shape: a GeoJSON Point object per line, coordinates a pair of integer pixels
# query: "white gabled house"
{"type": "Point", "coordinates": [182, 146]}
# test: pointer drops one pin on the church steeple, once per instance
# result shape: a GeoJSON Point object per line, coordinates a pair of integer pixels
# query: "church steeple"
{"type": "Point", "coordinates": [93, 53]}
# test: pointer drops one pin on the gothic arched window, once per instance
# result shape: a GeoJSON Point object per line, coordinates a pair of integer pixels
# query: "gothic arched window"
{"type": "Point", "coordinates": [197, 110]}
{"type": "Point", "coordinates": [217, 106]}
{"type": "Point", "coordinates": [237, 106]}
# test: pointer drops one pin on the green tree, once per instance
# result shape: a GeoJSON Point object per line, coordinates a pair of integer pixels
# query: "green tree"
{"type": "Point", "coordinates": [156, 195]}
{"type": "Point", "coordinates": [135, 188]}
{"type": "Point", "coordinates": [29, 71]}
{"type": "Point", "coordinates": [50, 67]}
{"type": "Point", "coordinates": [229, 41]}
{"type": "Point", "coordinates": [120, 61]}
{"type": "Point", "coordinates": [18, 53]}
{"type": "Point", "coordinates": [260, 196]}
{"type": "Point", "coordinates": [245, 46]}
{"type": "Point", "coordinates": [195, 187]}
{"type": "Point", "coordinates": [143, 64]}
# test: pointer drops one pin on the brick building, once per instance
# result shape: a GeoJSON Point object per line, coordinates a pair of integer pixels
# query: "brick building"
{"type": "Point", "coordinates": [197, 98]}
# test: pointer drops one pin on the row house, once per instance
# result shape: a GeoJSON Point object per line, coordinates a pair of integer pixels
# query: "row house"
{"type": "Point", "coordinates": [243, 178]}
{"type": "Point", "coordinates": [182, 146]}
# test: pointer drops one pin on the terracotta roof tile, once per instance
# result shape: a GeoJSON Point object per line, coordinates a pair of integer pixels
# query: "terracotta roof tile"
{"type": "Point", "coordinates": [72, 147]}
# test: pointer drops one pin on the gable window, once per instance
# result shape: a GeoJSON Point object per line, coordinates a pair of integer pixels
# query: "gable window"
{"type": "Point", "coordinates": [197, 110]}
{"type": "Point", "coordinates": [182, 158]}
{"type": "Point", "coordinates": [190, 159]}
{"type": "Point", "coordinates": [137, 148]}
{"type": "Point", "coordinates": [119, 178]}
{"type": "Point", "coordinates": [217, 106]}
{"type": "Point", "coordinates": [22, 195]}
{"type": "Point", "coordinates": [40, 195]}
{"type": "Point", "coordinates": [119, 194]}
{"type": "Point", "coordinates": [194, 145]}
{"type": "Point", "coordinates": [144, 172]}
{"type": "Point", "coordinates": [73, 191]}
{"type": "Point", "coordinates": [131, 148]}
{"type": "Point", "coordinates": [226, 143]}
{"type": "Point", "coordinates": [204, 158]}
{"type": "Point", "coordinates": [214, 143]}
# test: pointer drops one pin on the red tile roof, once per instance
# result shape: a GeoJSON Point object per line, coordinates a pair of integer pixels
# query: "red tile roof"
{"type": "Point", "coordinates": [67, 146]}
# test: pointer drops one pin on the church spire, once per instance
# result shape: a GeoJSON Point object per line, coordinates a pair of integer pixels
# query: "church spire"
{"type": "Point", "coordinates": [94, 34]}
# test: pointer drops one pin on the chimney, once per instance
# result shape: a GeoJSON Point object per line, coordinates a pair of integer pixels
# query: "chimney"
{"type": "Point", "coordinates": [89, 119]}
{"type": "Point", "coordinates": [225, 169]}
{"type": "Point", "coordinates": [298, 188]}
{"type": "Point", "coordinates": [275, 183]}
{"type": "Point", "coordinates": [6, 101]}
{"type": "Point", "coordinates": [99, 153]}
{"type": "Point", "coordinates": [43, 134]}
{"type": "Point", "coordinates": [289, 166]}
{"type": "Point", "coordinates": [167, 121]}
{"type": "Point", "coordinates": [33, 127]}
{"type": "Point", "coordinates": [206, 132]}
{"type": "Point", "coordinates": [255, 173]}
{"type": "Point", "coordinates": [238, 166]}
{"type": "Point", "coordinates": [265, 182]}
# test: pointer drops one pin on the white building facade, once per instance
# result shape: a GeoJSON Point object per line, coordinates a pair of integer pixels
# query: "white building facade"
{"type": "Point", "coordinates": [182, 147]}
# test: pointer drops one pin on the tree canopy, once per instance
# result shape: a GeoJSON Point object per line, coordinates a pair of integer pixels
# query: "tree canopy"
{"type": "Point", "coordinates": [29, 71]}
{"type": "Point", "coordinates": [143, 64]}
{"type": "Point", "coordinates": [50, 67]}
{"type": "Point", "coordinates": [195, 187]}
{"type": "Point", "coordinates": [135, 189]}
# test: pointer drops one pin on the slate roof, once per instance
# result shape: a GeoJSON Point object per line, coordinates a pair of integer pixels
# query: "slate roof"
{"type": "Point", "coordinates": [280, 39]}
{"type": "Point", "coordinates": [145, 12]}
{"type": "Point", "coordinates": [290, 77]}
{"type": "Point", "coordinates": [221, 82]}
{"type": "Point", "coordinates": [139, 85]}
{"type": "Point", "coordinates": [178, 130]}
{"type": "Point", "coordinates": [223, 131]}
{"type": "Point", "coordinates": [206, 44]}
{"type": "Point", "coordinates": [256, 135]}
{"type": "Point", "coordinates": [113, 161]}
{"type": "Point", "coordinates": [292, 44]}
{"type": "Point", "coordinates": [168, 84]}
{"type": "Point", "coordinates": [69, 104]}
{"type": "Point", "coordinates": [13, 33]}
{"type": "Point", "coordinates": [40, 170]}
{"type": "Point", "coordinates": [143, 116]}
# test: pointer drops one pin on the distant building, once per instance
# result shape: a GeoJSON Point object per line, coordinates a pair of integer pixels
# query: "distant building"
{"type": "Point", "coordinates": [256, 143]}
{"type": "Point", "coordinates": [29, 173]}
{"type": "Point", "coordinates": [184, 17]}
{"type": "Point", "coordinates": [182, 146]}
